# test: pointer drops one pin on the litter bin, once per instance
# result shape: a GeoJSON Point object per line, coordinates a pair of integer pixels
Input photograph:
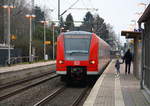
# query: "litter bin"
{"type": "Point", "coordinates": [46, 57]}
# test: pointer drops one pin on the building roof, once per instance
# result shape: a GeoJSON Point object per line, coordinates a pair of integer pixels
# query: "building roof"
{"type": "Point", "coordinates": [145, 16]}
{"type": "Point", "coordinates": [131, 34]}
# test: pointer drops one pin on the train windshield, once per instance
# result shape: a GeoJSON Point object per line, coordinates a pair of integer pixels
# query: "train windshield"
{"type": "Point", "coordinates": [77, 47]}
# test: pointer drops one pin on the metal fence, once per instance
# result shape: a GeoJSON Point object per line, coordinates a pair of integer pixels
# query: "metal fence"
{"type": "Point", "coordinates": [16, 57]}
{"type": "Point", "coordinates": [17, 60]}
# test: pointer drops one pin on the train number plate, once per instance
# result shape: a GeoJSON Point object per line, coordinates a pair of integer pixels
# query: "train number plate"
{"type": "Point", "coordinates": [76, 62]}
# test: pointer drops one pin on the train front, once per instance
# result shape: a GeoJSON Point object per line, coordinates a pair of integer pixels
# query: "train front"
{"type": "Point", "coordinates": [73, 55]}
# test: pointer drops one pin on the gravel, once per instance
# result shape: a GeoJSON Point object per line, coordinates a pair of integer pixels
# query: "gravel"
{"type": "Point", "coordinates": [65, 98]}
{"type": "Point", "coordinates": [31, 96]}
{"type": "Point", "coordinates": [37, 93]}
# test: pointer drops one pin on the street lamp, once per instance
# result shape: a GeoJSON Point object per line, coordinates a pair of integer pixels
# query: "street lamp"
{"type": "Point", "coordinates": [143, 4]}
{"type": "Point", "coordinates": [134, 25]}
{"type": "Point", "coordinates": [53, 42]}
{"type": "Point", "coordinates": [30, 17]}
{"type": "Point", "coordinates": [62, 29]}
{"type": "Point", "coordinates": [139, 13]}
{"type": "Point", "coordinates": [130, 29]}
{"type": "Point", "coordinates": [44, 23]}
{"type": "Point", "coordinates": [8, 7]}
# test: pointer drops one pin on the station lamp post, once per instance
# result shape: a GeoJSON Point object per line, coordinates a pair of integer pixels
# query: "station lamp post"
{"type": "Point", "coordinates": [143, 4]}
{"type": "Point", "coordinates": [8, 7]}
{"type": "Point", "coordinates": [53, 42]}
{"type": "Point", "coordinates": [62, 29]}
{"type": "Point", "coordinates": [44, 41]}
{"type": "Point", "coordinates": [134, 24]}
{"type": "Point", "coordinates": [30, 17]}
{"type": "Point", "coordinates": [139, 13]}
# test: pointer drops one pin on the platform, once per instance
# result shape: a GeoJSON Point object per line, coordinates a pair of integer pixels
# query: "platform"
{"type": "Point", "coordinates": [25, 66]}
{"type": "Point", "coordinates": [23, 71]}
{"type": "Point", "coordinates": [116, 91]}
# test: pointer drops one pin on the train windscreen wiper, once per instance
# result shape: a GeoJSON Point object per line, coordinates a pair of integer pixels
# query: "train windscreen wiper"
{"type": "Point", "coordinates": [77, 51]}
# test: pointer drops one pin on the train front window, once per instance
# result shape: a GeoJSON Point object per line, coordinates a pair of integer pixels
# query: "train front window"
{"type": "Point", "coordinates": [77, 47]}
{"type": "Point", "coordinates": [76, 51]}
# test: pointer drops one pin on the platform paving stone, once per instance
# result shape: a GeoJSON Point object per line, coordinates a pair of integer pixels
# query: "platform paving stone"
{"type": "Point", "coordinates": [116, 91]}
{"type": "Point", "coordinates": [105, 95]}
{"type": "Point", "coordinates": [132, 93]}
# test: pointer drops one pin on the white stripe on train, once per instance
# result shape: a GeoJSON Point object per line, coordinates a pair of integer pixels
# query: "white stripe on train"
{"type": "Point", "coordinates": [65, 73]}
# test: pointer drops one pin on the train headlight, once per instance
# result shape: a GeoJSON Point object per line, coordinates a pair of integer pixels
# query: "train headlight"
{"type": "Point", "coordinates": [60, 61]}
{"type": "Point", "coordinates": [92, 62]}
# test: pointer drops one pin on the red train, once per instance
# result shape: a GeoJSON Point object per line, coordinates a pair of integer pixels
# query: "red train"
{"type": "Point", "coordinates": [81, 54]}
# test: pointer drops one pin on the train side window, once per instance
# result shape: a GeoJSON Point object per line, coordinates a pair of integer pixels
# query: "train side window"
{"type": "Point", "coordinates": [99, 50]}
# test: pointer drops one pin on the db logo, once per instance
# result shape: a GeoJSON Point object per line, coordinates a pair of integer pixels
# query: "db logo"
{"type": "Point", "coordinates": [76, 62]}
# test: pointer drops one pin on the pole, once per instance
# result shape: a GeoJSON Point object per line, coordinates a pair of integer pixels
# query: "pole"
{"type": "Point", "coordinates": [32, 6]}
{"type": "Point", "coordinates": [30, 41]}
{"type": "Point", "coordinates": [9, 35]}
{"type": "Point", "coordinates": [53, 43]}
{"type": "Point", "coordinates": [59, 10]}
{"type": "Point", "coordinates": [44, 40]}
{"type": "Point", "coordinates": [33, 12]}
{"type": "Point", "coordinates": [142, 57]}
{"type": "Point", "coordinates": [59, 16]}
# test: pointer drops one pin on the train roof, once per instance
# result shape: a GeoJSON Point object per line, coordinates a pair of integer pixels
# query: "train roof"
{"type": "Point", "coordinates": [84, 33]}
{"type": "Point", "coordinates": [77, 33]}
{"type": "Point", "coordinates": [105, 42]}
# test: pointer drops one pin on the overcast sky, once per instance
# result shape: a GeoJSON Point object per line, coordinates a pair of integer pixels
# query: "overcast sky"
{"type": "Point", "coordinates": [118, 13]}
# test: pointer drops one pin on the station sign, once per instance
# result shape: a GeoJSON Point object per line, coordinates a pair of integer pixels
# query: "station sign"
{"type": "Point", "coordinates": [47, 42]}
{"type": "Point", "coordinates": [13, 37]}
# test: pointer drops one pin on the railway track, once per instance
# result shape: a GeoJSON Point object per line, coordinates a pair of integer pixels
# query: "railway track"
{"type": "Point", "coordinates": [23, 86]}
{"type": "Point", "coordinates": [51, 96]}
{"type": "Point", "coordinates": [56, 93]}
{"type": "Point", "coordinates": [14, 83]}
{"type": "Point", "coordinates": [77, 100]}
{"type": "Point", "coordinates": [10, 84]}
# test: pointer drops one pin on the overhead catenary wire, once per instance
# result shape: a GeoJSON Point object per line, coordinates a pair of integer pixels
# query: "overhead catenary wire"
{"type": "Point", "coordinates": [91, 3]}
{"type": "Point", "coordinates": [69, 7]}
{"type": "Point", "coordinates": [84, 3]}
{"type": "Point", "coordinates": [67, 3]}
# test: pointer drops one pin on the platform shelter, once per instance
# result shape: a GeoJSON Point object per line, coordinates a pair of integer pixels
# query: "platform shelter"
{"type": "Point", "coordinates": [136, 36]}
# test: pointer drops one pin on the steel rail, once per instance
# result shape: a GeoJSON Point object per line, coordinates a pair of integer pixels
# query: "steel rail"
{"type": "Point", "coordinates": [14, 83]}
{"type": "Point", "coordinates": [51, 96]}
{"type": "Point", "coordinates": [77, 101]}
{"type": "Point", "coordinates": [10, 84]}
{"type": "Point", "coordinates": [2, 97]}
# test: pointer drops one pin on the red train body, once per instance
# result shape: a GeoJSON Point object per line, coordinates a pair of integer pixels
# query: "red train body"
{"type": "Point", "coordinates": [80, 54]}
